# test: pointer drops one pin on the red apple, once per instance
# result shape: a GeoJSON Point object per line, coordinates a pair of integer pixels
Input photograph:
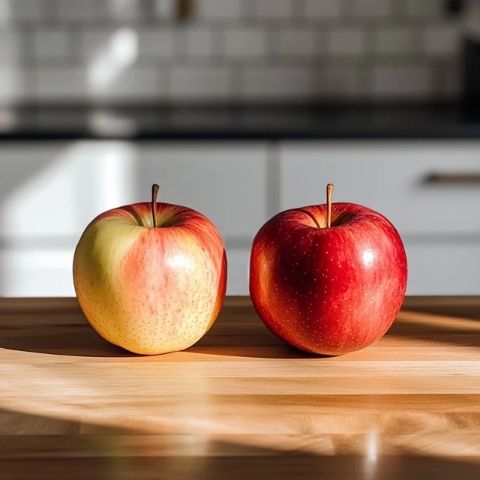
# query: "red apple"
{"type": "Point", "coordinates": [150, 278]}
{"type": "Point", "coordinates": [328, 289]}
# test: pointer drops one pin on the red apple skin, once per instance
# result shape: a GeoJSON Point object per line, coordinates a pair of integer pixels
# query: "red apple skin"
{"type": "Point", "coordinates": [151, 290]}
{"type": "Point", "coordinates": [328, 291]}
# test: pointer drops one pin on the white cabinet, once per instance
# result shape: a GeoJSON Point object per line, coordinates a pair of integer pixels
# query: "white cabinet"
{"type": "Point", "coordinates": [225, 182]}
{"type": "Point", "coordinates": [444, 266]}
{"type": "Point", "coordinates": [48, 194]}
{"type": "Point", "coordinates": [50, 191]}
{"type": "Point", "coordinates": [429, 190]}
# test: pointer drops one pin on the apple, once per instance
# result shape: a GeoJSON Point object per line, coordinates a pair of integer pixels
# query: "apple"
{"type": "Point", "coordinates": [328, 279]}
{"type": "Point", "coordinates": [150, 277]}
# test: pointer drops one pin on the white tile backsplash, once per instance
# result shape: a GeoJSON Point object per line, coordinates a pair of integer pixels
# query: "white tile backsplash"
{"type": "Point", "coordinates": [448, 80]}
{"type": "Point", "coordinates": [442, 40]}
{"type": "Point", "coordinates": [61, 83]}
{"type": "Point", "coordinates": [165, 9]}
{"type": "Point", "coordinates": [372, 8]}
{"type": "Point", "coordinates": [294, 82]}
{"type": "Point", "coordinates": [122, 10]}
{"type": "Point", "coordinates": [93, 41]}
{"type": "Point", "coordinates": [80, 11]}
{"type": "Point", "coordinates": [248, 42]}
{"type": "Point", "coordinates": [142, 83]}
{"type": "Point", "coordinates": [405, 81]}
{"type": "Point", "coordinates": [198, 42]}
{"type": "Point", "coordinates": [14, 84]}
{"type": "Point", "coordinates": [220, 9]}
{"type": "Point", "coordinates": [23, 10]}
{"type": "Point", "coordinates": [297, 41]}
{"type": "Point", "coordinates": [157, 43]}
{"type": "Point", "coordinates": [322, 10]}
{"type": "Point", "coordinates": [394, 41]}
{"type": "Point", "coordinates": [341, 81]}
{"type": "Point", "coordinates": [275, 9]}
{"type": "Point", "coordinates": [10, 45]}
{"type": "Point", "coordinates": [48, 43]}
{"type": "Point", "coordinates": [136, 83]}
{"type": "Point", "coordinates": [198, 82]}
{"type": "Point", "coordinates": [350, 47]}
{"type": "Point", "coordinates": [423, 8]}
{"type": "Point", "coordinates": [346, 41]}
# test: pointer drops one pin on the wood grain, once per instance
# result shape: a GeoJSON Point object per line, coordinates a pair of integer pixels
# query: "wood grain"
{"type": "Point", "coordinates": [240, 403]}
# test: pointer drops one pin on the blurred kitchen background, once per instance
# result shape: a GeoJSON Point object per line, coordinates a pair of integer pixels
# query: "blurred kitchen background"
{"type": "Point", "coordinates": [240, 109]}
{"type": "Point", "coordinates": [227, 50]}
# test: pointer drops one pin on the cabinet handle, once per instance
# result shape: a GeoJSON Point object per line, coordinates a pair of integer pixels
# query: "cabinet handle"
{"type": "Point", "coordinates": [452, 178]}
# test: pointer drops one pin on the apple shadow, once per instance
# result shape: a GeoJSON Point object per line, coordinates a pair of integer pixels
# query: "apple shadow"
{"type": "Point", "coordinates": [251, 340]}
{"type": "Point", "coordinates": [455, 321]}
{"type": "Point", "coordinates": [82, 341]}
{"type": "Point", "coordinates": [282, 351]}
{"type": "Point", "coordinates": [62, 339]}
{"type": "Point", "coordinates": [248, 338]}
{"type": "Point", "coordinates": [423, 331]}
{"type": "Point", "coordinates": [68, 333]}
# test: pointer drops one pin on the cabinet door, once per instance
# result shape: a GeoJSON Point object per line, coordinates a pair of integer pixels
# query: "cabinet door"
{"type": "Point", "coordinates": [429, 190]}
{"type": "Point", "coordinates": [225, 182]}
{"type": "Point", "coordinates": [49, 192]}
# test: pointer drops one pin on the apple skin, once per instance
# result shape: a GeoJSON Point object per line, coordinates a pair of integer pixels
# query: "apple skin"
{"type": "Point", "coordinates": [150, 290]}
{"type": "Point", "coordinates": [325, 290]}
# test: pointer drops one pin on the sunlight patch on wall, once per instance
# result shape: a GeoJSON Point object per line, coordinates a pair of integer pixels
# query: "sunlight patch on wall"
{"type": "Point", "coordinates": [5, 12]}
{"type": "Point", "coordinates": [112, 60]}
{"type": "Point", "coordinates": [123, 9]}
{"type": "Point", "coordinates": [47, 202]}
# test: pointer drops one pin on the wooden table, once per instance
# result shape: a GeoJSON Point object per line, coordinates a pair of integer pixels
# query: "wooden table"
{"type": "Point", "coordinates": [239, 404]}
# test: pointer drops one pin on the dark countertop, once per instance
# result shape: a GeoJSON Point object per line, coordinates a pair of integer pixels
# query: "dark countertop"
{"type": "Point", "coordinates": [239, 122]}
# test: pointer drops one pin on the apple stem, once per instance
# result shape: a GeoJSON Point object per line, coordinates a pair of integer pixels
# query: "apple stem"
{"type": "Point", "coordinates": [329, 204]}
{"type": "Point", "coordinates": [155, 188]}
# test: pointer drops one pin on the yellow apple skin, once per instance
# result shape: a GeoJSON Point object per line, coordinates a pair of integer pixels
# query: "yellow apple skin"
{"type": "Point", "coordinates": [150, 290]}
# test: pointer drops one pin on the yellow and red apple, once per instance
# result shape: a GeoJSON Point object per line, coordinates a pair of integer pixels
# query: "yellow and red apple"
{"type": "Point", "coordinates": [150, 278]}
{"type": "Point", "coordinates": [328, 279]}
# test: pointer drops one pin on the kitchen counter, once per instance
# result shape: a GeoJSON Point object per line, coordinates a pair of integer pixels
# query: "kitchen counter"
{"type": "Point", "coordinates": [240, 404]}
{"type": "Point", "coordinates": [153, 122]}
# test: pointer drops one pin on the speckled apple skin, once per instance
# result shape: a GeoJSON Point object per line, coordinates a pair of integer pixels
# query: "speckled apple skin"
{"type": "Point", "coordinates": [328, 290]}
{"type": "Point", "coordinates": [150, 290]}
